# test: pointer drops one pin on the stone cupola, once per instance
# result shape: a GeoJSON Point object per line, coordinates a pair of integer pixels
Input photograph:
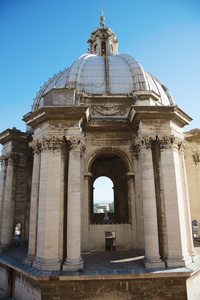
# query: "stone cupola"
{"type": "Point", "coordinates": [103, 40]}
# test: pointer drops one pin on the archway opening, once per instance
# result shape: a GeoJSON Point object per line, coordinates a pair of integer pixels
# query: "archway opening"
{"type": "Point", "coordinates": [17, 233]}
{"type": "Point", "coordinates": [195, 229]}
{"type": "Point", "coordinates": [103, 195]}
{"type": "Point", "coordinates": [112, 168]}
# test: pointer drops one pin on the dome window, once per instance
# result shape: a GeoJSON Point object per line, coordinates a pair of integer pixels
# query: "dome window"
{"type": "Point", "coordinates": [103, 48]}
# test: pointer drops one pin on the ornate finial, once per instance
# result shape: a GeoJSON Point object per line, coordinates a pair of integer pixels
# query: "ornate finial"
{"type": "Point", "coordinates": [102, 18]}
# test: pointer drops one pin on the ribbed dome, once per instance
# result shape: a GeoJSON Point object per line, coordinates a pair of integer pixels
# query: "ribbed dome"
{"type": "Point", "coordinates": [117, 74]}
{"type": "Point", "coordinates": [104, 72]}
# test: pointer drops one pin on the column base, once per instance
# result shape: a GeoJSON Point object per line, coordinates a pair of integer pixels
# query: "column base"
{"type": "Point", "coordinates": [28, 260]}
{"type": "Point", "coordinates": [5, 247]}
{"type": "Point", "coordinates": [46, 264]}
{"type": "Point", "coordinates": [174, 262]}
{"type": "Point", "coordinates": [154, 264]}
{"type": "Point", "coordinates": [73, 266]}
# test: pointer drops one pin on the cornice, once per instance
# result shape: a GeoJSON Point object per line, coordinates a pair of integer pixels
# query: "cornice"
{"type": "Point", "coordinates": [57, 113]}
{"type": "Point", "coordinates": [10, 135]}
{"type": "Point", "coordinates": [173, 113]}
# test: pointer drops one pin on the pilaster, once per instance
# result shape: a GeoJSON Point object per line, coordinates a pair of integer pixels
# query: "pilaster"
{"type": "Point", "coordinates": [188, 220]}
{"type": "Point", "coordinates": [34, 205]}
{"type": "Point", "coordinates": [86, 213]}
{"type": "Point", "coordinates": [50, 179]}
{"type": "Point", "coordinates": [2, 189]}
{"type": "Point", "coordinates": [7, 230]}
{"type": "Point", "coordinates": [177, 255]}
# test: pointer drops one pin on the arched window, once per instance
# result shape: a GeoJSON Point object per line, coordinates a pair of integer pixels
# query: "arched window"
{"type": "Point", "coordinates": [103, 195]}
{"type": "Point", "coordinates": [103, 48]}
{"type": "Point", "coordinates": [195, 229]}
{"type": "Point", "coordinates": [17, 234]}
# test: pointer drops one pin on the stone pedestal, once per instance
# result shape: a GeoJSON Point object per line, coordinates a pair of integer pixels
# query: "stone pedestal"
{"type": "Point", "coordinates": [152, 256]}
{"type": "Point", "coordinates": [74, 261]}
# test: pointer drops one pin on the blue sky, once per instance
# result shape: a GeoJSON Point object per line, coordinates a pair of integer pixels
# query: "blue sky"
{"type": "Point", "coordinates": [42, 37]}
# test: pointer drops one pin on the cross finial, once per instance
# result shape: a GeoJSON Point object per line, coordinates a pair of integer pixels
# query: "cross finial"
{"type": "Point", "coordinates": [102, 18]}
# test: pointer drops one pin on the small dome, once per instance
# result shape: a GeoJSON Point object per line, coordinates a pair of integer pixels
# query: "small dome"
{"type": "Point", "coordinates": [105, 72]}
{"type": "Point", "coordinates": [117, 74]}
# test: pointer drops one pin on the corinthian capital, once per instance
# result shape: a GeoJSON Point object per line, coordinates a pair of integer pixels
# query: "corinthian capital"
{"type": "Point", "coordinates": [76, 143]}
{"type": "Point", "coordinates": [171, 142]}
{"type": "Point", "coordinates": [48, 143]}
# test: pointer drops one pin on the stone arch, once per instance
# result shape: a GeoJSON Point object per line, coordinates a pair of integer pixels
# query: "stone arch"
{"type": "Point", "coordinates": [114, 164]}
{"type": "Point", "coordinates": [108, 150]}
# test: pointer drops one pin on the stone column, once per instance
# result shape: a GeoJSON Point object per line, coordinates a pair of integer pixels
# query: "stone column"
{"type": "Point", "coordinates": [187, 206]}
{"type": "Point", "coordinates": [152, 256]}
{"type": "Point", "coordinates": [173, 202]}
{"type": "Point", "coordinates": [132, 207]}
{"type": "Point", "coordinates": [74, 261]}
{"type": "Point", "coordinates": [34, 205]}
{"type": "Point", "coordinates": [48, 237]}
{"type": "Point", "coordinates": [86, 216]}
{"type": "Point", "coordinates": [2, 190]}
{"type": "Point", "coordinates": [7, 232]}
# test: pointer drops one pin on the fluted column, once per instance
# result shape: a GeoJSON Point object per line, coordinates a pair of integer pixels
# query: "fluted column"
{"type": "Point", "coordinates": [152, 256]}
{"type": "Point", "coordinates": [7, 231]}
{"type": "Point", "coordinates": [173, 201]}
{"type": "Point", "coordinates": [74, 261]}
{"type": "Point", "coordinates": [2, 190]}
{"type": "Point", "coordinates": [34, 205]}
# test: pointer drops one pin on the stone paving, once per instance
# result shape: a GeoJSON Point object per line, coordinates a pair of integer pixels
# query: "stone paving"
{"type": "Point", "coordinates": [100, 260]}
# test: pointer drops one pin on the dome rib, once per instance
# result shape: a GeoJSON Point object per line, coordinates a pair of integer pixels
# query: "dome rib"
{"type": "Point", "coordinates": [90, 72]}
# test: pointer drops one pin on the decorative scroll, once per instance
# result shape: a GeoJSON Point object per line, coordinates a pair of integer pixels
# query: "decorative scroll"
{"type": "Point", "coordinates": [196, 158]}
{"type": "Point", "coordinates": [108, 110]}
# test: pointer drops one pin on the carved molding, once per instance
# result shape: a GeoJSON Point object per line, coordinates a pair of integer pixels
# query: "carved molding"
{"type": "Point", "coordinates": [196, 158]}
{"type": "Point", "coordinates": [108, 110]}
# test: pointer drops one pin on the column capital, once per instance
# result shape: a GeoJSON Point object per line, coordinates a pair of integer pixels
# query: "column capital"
{"type": "Point", "coordinates": [3, 160]}
{"type": "Point", "coordinates": [47, 143]}
{"type": "Point", "coordinates": [11, 158]}
{"type": "Point", "coordinates": [76, 143]}
{"type": "Point", "coordinates": [170, 142]}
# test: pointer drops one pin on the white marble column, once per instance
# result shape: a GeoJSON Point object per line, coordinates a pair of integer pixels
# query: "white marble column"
{"type": "Point", "coordinates": [7, 232]}
{"type": "Point", "coordinates": [2, 191]}
{"type": "Point", "coordinates": [74, 261]}
{"type": "Point", "coordinates": [188, 220]}
{"type": "Point", "coordinates": [34, 208]}
{"type": "Point", "coordinates": [152, 256]}
{"type": "Point", "coordinates": [173, 202]}
{"type": "Point", "coordinates": [49, 210]}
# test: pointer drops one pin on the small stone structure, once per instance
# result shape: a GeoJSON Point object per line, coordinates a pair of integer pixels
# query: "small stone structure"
{"type": "Point", "coordinates": [103, 116]}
